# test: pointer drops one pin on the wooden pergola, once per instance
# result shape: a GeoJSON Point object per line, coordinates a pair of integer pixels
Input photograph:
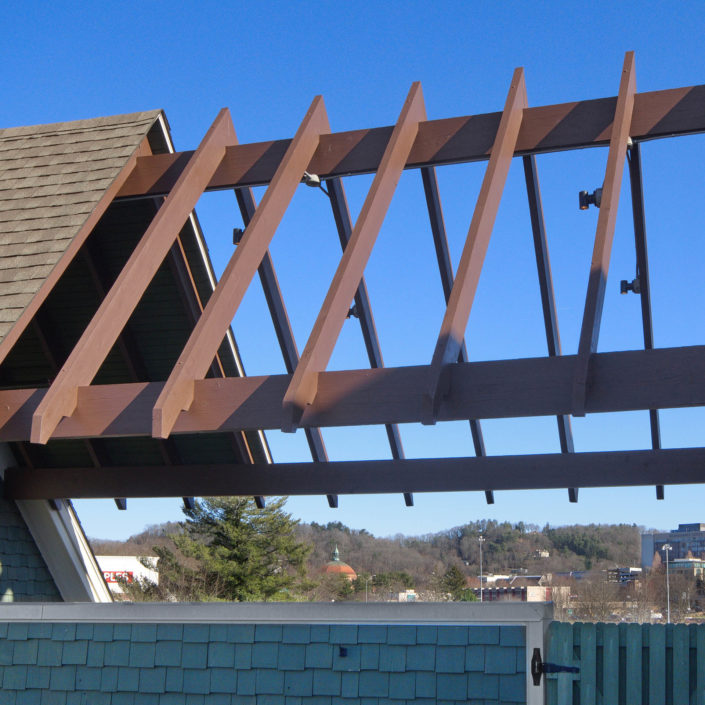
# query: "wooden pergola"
{"type": "Point", "coordinates": [307, 396]}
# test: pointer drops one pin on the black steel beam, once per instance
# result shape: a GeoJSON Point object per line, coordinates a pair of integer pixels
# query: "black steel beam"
{"type": "Point", "coordinates": [548, 298]}
{"type": "Point", "coordinates": [343, 224]}
{"type": "Point", "coordinates": [445, 268]}
{"type": "Point", "coordinates": [282, 325]}
{"type": "Point", "coordinates": [642, 273]}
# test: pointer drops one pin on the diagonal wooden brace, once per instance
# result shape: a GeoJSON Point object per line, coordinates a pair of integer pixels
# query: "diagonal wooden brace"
{"type": "Point", "coordinates": [450, 338]}
{"type": "Point", "coordinates": [604, 234]}
{"type": "Point", "coordinates": [117, 307]}
{"type": "Point", "coordinates": [212, 326]}
{"type": "Point", "coordinates": [321, 342]}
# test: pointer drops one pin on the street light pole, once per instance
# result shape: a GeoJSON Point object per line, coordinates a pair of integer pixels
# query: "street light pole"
{"type": "Point", "coordinates": [481, 540]}
{"type": "Point", "coordinates": [667, 547]}
{"type": "Point", "coordinates": [367, 580]}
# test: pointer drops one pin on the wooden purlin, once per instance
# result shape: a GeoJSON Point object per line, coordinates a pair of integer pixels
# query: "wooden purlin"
{"type": "Point", "coordinates": [604, 235]}
{"type": "Point", "coordinates": [98, 338]}
{"type": "Point", "coordinates": [545, 129]}
{"type": "Point", "coordinates": [208, 333]}
{"type": "Point", "coordinates": [321, 342]}
{"type": "Point", "coordinates": [455, 320]}
{"type": "Point", "coordinates": [621, 381]}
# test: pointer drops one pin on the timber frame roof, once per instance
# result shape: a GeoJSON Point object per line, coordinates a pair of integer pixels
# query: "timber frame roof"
{"type": "Point", "coordinates": [188, 403]}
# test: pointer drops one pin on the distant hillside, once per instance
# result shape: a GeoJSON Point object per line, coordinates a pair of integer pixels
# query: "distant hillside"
{"type": "Point", "coordinates": [424, 558]}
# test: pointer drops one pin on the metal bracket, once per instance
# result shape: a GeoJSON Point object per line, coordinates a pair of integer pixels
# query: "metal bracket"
{"type": "Point", "coordinates": [539, 667]}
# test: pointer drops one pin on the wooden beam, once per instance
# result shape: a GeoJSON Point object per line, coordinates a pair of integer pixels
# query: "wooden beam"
{"type": "Point", "coordinates": [622, 381]}
{"type": "Point", "coordinates": [13, 335]}
{"type": "Point", "coordinates": [508, 472]}
{"type": "Point", "coordinates": [450, 338]}
{"type": "Point", "coordinates": [208, 333]}
{"type": "Point", "coordinates": [549, 128]}
{"type": "Point", "coordinates": [336, 305]}
{"type": "Point", "coordinates": [92, 348]}
{"type": "Point", "coordinates": [604, 235]}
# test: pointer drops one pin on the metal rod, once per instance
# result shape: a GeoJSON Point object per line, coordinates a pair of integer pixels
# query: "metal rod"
{"type": "Point", "coordinates": [445, 269]}
{"type": "Point", "coordinates": [642, 273]}
{"type": "Point", "coordinates": [548, 298]}
{"type": "Point", "coordinates": [282, 325]}
{"type": "Point", "coordinates": [343, 223]}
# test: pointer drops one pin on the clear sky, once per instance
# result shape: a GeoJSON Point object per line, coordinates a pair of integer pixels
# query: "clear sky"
{"type": "Point", "coordinates": [267, 60]}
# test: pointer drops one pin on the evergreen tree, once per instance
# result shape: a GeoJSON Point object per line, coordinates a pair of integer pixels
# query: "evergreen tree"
{"type": "Point", "coordinates": [231, 550]}
{"type": "Point", "coordinates": [453, 581]}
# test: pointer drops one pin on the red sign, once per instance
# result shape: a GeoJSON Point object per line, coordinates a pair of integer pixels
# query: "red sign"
{"type": "Point", "coordinates": [114, 576]}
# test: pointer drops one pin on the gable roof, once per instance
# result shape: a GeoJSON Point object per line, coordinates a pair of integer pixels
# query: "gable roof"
{"type": "Point", "coordinates": [52, 178]}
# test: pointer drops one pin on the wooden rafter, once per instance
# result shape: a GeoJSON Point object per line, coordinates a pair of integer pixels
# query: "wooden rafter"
{"type": "Point", "coordinates": [450, 338]}
{"type": "Point", "coordinates": [208, 333]}
{"type": "Point", "coordinates": [89, 353]}
{"type": "Point", "coordinates": [326, 329]}
{"type": "Point", "coordinates": [606, 222]}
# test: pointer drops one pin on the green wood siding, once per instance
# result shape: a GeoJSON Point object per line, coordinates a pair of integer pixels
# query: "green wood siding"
{"type": "Point", "coordinates": [627, 664]}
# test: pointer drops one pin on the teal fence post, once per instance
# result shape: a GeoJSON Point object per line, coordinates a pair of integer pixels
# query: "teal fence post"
{"type": "Point", "coordinates": [588, 663]}
{"type": "Point", "coordinates": [633, 663]}
{"type": "Point", "coordinates": [681, 663]}
{"type": "Point", "coordinates": [610, 664]}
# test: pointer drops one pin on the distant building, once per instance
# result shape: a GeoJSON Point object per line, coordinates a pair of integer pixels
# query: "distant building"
{"type": "Point", "coordinates": [336, 567]}
{"type": "Point", "coordinates": [623, 576]}
{"type": "Point", "coordinates": [687, 537]}
{"type": "Point", "coordinates": [128, 569]}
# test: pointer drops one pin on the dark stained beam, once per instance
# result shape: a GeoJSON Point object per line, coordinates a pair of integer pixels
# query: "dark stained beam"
{"type": "Point", "coordinates": [455, 320]}
{"type": "Point", "coordinates": [282, 326]}
{"type": "Point", "coordinates": [622, 381]}
{"type": "Point", "coordinates": [548, 298]}
{"type": "Point", "coordinates": [549, 128]}
{"type": "Point", "coordinates": [508, 472]}
{"type": "Point", "coordinates": [604, 234]}
{"type": "Point", "coordinates": [642, 273]}
{"type": "Point", "coordinates": [343, 223]}
{"type": "Point", "coordinates": [445, 268]}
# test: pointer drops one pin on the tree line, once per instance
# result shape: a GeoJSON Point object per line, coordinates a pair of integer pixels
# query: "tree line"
{"type": "Point", "coordinates": [227, 548]}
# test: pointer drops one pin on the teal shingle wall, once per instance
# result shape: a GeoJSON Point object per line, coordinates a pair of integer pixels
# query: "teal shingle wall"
{"type": "Point", "coordinates": [201, 664]}
{"type": "Point", "coordinates": [24, 576]}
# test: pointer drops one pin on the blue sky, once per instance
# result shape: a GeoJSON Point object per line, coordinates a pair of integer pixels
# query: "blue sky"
{"type": "Point", "coordinates": [266, 61]}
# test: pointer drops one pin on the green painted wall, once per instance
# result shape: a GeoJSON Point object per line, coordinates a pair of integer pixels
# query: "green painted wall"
{"type": "Point", "coordinates": [267, 664]}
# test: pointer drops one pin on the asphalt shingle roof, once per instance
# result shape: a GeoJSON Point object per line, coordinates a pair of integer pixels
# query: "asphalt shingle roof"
{"type": "Point", "coordinates": [51, 179]}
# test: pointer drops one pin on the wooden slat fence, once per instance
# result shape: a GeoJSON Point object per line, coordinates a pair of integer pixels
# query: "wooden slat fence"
{"type": "Point", "coordinates": [626, 664]}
